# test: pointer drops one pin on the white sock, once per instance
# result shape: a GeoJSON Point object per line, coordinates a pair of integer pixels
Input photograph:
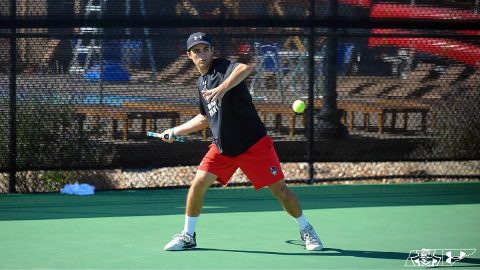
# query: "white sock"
{"type": "Point", "coordinates": [190, 223]}
{"type": "Point", "coordinates": [302, 222]}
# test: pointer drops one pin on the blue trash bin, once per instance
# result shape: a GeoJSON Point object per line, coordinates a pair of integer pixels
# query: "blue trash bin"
{"type": "Point", "coordinates": [113, 69]}
{"type": "Point", "coordinates": [132, 52]}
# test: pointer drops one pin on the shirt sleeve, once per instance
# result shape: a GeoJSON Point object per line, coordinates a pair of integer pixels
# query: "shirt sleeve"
{"type": "Point", "coordinates": [200, 106]}
{"type": "Point", "coordinates": [231, 66]}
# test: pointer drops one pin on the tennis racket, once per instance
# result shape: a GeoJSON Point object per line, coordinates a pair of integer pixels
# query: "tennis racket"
{"type": "Point", "coordinates": [159, 135]}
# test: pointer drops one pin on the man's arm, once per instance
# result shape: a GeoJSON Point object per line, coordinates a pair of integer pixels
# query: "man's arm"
{"type": "Point", "coordinates": [237, 76]}
{"type": "Point", "coordinates": [198, 122]}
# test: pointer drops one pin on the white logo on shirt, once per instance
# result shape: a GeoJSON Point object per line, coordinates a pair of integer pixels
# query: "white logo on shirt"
{"type": "Point", "coordinates": [213, 106]}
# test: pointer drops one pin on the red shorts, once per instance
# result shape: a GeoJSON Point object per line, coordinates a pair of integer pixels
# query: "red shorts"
{"type": "Point", "coordinates": [259, 163]}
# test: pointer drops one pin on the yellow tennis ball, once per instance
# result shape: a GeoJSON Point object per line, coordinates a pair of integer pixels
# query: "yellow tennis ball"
{"type": "Point", "coordinates": [298, 106]}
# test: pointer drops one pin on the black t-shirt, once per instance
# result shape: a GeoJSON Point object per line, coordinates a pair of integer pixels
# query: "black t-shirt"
{"type": "Point", "coordinates": [234, 120]}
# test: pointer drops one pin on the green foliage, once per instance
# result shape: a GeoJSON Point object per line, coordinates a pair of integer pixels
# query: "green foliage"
{"type": "Point", "coordinates": [4, 133]}
{"type": "Point", "coordinates": [57, 178]}
{"type": "Point", "coordinates": [456, 128]}
{"type": "Point", "coordinates": [44, 181]}
{"type": "Point", "coordinates": [51, 135]}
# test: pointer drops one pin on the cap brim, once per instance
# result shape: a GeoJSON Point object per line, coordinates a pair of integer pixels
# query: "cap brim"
{"type": "Point", "coordinates": [199, 42]}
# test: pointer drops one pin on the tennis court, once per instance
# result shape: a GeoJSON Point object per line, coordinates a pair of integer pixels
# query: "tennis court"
{"type": "Point", "coordinates": [362, 227]}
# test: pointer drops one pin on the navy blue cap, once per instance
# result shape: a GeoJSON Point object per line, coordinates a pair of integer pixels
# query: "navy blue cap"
{"type": "Point", "coordinates": [198, 38]}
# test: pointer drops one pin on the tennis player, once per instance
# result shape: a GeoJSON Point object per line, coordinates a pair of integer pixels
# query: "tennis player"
{"type": "Point", "coordinates": [239, 141]}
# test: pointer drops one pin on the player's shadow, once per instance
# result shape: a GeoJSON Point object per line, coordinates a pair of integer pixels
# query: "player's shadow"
{"type": "Point", "coordinates": [389, 255]}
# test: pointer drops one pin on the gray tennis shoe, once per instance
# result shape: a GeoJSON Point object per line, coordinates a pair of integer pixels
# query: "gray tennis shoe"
{"type": "Point", "coordinates": [311, 239]}
{"type": "Point", "coordinates": [181, 241]}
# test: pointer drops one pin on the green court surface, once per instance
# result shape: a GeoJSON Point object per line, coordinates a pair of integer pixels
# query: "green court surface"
{"type": "Point", "coordinates": [362, 227]}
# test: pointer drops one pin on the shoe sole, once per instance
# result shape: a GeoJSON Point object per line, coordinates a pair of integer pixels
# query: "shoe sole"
{"type": "Point", "coordinates": [180, 249]}
{"type": "Point", "coordinates": [315, 248]}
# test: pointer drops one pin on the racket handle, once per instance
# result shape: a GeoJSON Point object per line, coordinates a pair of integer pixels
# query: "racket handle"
{"type": "Point", "coordinates": [166, 136]}
{"type": "Point", "coordinates": [179, 138]}
{"type": "Point", "coordinates": [175, 138]}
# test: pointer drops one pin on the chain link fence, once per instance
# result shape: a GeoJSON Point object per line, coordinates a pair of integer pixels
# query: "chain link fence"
{"type": "Point", "coordinates": [296, 172]}
{"type": "Point", "coordinates": [387, 91]}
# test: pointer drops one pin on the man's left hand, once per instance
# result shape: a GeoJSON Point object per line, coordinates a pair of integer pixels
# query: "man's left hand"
{"type": "Point", "coordinates": [213, 94]}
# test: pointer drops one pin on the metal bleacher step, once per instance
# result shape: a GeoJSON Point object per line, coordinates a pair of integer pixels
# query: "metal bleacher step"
{"type": "Point", "coordinates": [89, 30]}
{"type": "Point", "coordinates": [93, 8]}
{"type": "Point", "coordinates": [76, 69]}
{"type": "Point", "coordinates": [86, 49]}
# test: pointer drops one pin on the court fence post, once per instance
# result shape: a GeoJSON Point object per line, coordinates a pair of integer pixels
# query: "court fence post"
{"type": "Point", "coordinates": [13, 100]}
{"type": "Point", "coordinates": [311, 89]}
{"type": "Point", "coordinates": [329, 126]}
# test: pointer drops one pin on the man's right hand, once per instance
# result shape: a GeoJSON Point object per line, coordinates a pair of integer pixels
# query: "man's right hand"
{"type": "Point", "coordinates": [167, 134]}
